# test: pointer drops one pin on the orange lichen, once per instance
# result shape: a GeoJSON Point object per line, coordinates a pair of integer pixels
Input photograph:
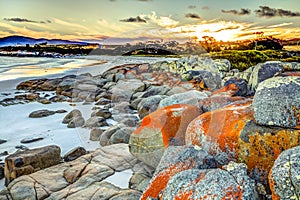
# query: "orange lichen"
{"type": "Point", "coordinates": [230, 89]}
{"type": "Point", "coordinates": [263, 149]}
{"type": "Point", "coordinates": [172, 121]}
{"type": "Point", "coordinates": [161, 180]}
{"type": "Point", "coordinates": [184, 195]}
{"type": "Point", "coordinates": [271, 184]}
{"type": "Point", "coordinates": [222, 126]}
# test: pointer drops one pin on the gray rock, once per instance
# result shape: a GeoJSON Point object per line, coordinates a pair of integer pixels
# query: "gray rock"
{"type": "Point", "coordinates": [148, 105]}
{"type": "Point", "coordinates": [285, 175]}
{"type": "Point", "coordinates": [264, 71]}
{"type": "Point", "coordinates": [103, 101]}
{"type": "Point", "coordinates": [71, 115]}
{"type": "Point", "coordinates": [231, 182]}
{"type": "Point", "coordinates": [276, 102]}
{"type": "Point", "coordinates": [127, 195]}
{"type": "Point", "coordinates": [105, 136]}
{"type": "Point", "coordinates": [131, 122]}
{"type": "Point", "coordinates": [31, 139]}
{"type": "Point", "coordinates": [121, 136]}
{"type": "Point", "coordinates": [211, 80]}
{"type": "Point", "coordinates": [66, 84]}
{"type": "Point", "coordinates": [122, 107]}
{"type": "Point", "coordinates": [41, 113]}
{"type": "Point", "coordinates": [95, 122]}
{"type": "Point", "coordinates": [191, 97]}
{"type": "Point", "coordinates": [74, 154]}
{"type": "Point", "coordinates": [95, 134]}
{"type": "Point", "coordinates": [76, 122]}
{"type": "Point", "coordinates": [2, 141]}
{"type": "Point", "coordinates": [241, 84]}
{"type": "Point", "coordinates": [155, 90]}
{"type": "Point", "coordinates": [101, 113]}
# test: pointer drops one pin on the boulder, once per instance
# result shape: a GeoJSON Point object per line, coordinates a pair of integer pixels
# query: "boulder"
{"type": "Point", "coordinates": [95, 122]}
{"type": "Point", "coordinates": [105, 136]}
{"type": "Point", "coordinates": [276, 102]}
{"type": "Point", "coordinates": [264, 71]}
{"type": "Point", "coordinates": [241, 84]}
{"type": "Point", "coordinates": [159, 129]}
{"type": "Point", "coordinates": [231, 182]}
{"type": "Point", "coordinates": [191, 97]}
{"type": "Point", "coordinates": [74, 154]}
{"type": "Point", "coordinates": [149, 105]}
{"type": "Point", "coordinates": [41, 113]}
{"type": "Point", "coordinates": [50, 85]}
{"type": "Point", "coordinates": [95, 134]}
{"type": "Point", "coordinates": [284, 177]}
{"type": "Point", "coordinates": [175, 160]}
{"type": "Point", "coordinates": [77, 121]}
{"type": "Point", "coordinates": [155, 90]}
{"type": "Point", "coordinates": [230, 134]}
{"type": "Point", "coordinates": [208, 79]}
{"type": "Point", "coordinates": [217, 101]}
{"type": "Point", "coordinates": [29, 161]}
{"type": "Point", "coordinates": [121, 136]}
{"type": "Point", "coordinates": [71, 115]}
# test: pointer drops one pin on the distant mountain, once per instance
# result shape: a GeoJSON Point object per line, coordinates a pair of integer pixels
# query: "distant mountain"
{"type": "Point", "coordinates": [22, 41]}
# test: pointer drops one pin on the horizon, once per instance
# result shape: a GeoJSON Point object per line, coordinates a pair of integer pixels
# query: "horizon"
{"type": "Point", "coordinates": [132, 21]}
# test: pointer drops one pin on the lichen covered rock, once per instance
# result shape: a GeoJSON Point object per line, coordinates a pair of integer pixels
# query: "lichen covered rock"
{"type": "Point", "coordinates": [284, 177]}
{"type": "Point", "coordinates": [277, 102]}
{"type": "Point", "coordinates": [159, 129]}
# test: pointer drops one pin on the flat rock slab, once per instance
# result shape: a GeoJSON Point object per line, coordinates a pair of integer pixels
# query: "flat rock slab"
{"type": "Point", "coordinates": [82, 178]}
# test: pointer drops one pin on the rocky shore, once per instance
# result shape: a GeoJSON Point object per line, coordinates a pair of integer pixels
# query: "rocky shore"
{"type": "Point", "coordinates": [191, 128]}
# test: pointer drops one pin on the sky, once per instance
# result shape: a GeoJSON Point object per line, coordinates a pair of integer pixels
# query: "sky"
{"type": "Point", "coordinates": [121, 21]}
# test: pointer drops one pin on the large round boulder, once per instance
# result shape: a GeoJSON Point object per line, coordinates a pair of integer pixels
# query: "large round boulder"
{"type": "Point", "coordinates": [277, 102]}
{"type": "Point", "coordinates": [159, 129]}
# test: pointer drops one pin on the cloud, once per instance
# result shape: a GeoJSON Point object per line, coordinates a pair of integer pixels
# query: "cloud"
{"type": "Point", "coordinates": [137, 19]}
{"type": "Point", "coordinates": [205, 8]}
{"type": "Point", "coordinates": [243, 11]}
{"type": "Point", "coordinates": [266, 11]}
{"type": "Point", "coordinates": [192, 15]}
{"type": "Point", "coordinates": [280, 25]}
{"type": "Point", "coordinates": [17, 19]}
{"type": "Point", "coordinates": [70, 24]}
{"type": "Point", "coordinates": [192, 7]}
{"type": "Point", "coordinates": [163, 21]}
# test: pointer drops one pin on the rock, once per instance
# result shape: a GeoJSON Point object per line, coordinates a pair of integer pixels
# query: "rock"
{"type": "Point", "coordinates": [231, 182]}
{"type": "Point", "coordinates": [139, 181]}
{"type": "Point", "coordinates": [65, 85]}
{"type": "Point", "coordinates": [149, 105]}
{"type": "Point", "coordinates": [74, 154]}
{"type": "Point", "coordinates": [103, 101]}
{"type": "Point", "coordinates": [29, 161]}
{"type": "Point", "coordinates": [32, 96]}
{"type": "Point", "coordinates": [209, 79]}
{"type": "Point", "coordinates": [264, 71]}
{"type": "Point", "coordinates": [176, 90]}
{"type": "Point", "coordinates": [77, 121]}
{"type": "Point", "coordinates": [218, 101]}
{"type": "Point", "coordinates": [31, 139]}
{"type": "Point", "coordinates": [122, 107]}
{"type": "Point", "coordinates": [30, 84]}
{"type": "Point", "coordinates": [2, 141]}
{"type": "Point", "coordinates": [72, 114]}
{"type": "Point", "coordinates": [191, 97]}
{"type": "Point", "coordinates": [41, 113]}
{"type": "Point", "coordinates": [131, 122]}
{"type": "Point", "coordinates": [101, 113]}
{"type": "Point", "coordinates": [95, 122]}
{"type": "Point", "coordinates": [21, 147]}
{"type": "Point", "coordinates": [160, 129]}
{"type": "Point", "coordinates": [127, 195]}
{"type": "Point", "coordinates": [241, 84]}
{"type": "Point", "coordinates": [1, 171]}
{"type": "Point", "coordinates": [44, 101]}
{"type": "Point", "coordinates": [276, 102]}
{"type": "Point", "coordinates": [230, 134]}
{"type": "Point", "coordinates": [61, 111]}
{"type": "Point", "coordinates": [284, 176]}
{"type": "Point", "coordinates": [155, 90]}
{"type": "Point", "coordinates": [176, 159]}
{"type": "Point", "coordinates": [122, 116]}
{"type": "Point", "coordinates": [121, 136]}
{"type": "Point", "coordinates": [105, 136]}
{"type": "Point", "coordinates": [50, 84]}
{"type": "Point", "coordinates": [95, 134]}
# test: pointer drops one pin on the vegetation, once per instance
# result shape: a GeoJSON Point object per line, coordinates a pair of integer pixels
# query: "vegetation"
{"type": "Point", "coordinates": [243, 59]}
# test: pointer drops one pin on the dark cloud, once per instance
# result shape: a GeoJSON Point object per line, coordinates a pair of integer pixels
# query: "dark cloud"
{"type": "Point", "coordinates": [266, 11]}
{"type": "Point", "coordinates": [192, 7]}
{"type": "Point", "coordinates": [205, 8]}
{"type": "Point", "coordinates": [192, 15]}
{"type": "Point", "coordinates": [137, 19]}
{"type": "Point", "coordinates": [17, 19]}
{"type": "Point", "coordinates": [243, 11]}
